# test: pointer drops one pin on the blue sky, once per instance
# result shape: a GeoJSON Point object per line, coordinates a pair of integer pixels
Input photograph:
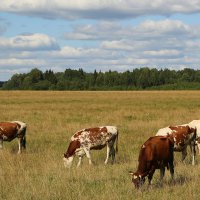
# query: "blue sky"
{"type": "Point", "coordinates": [98, 34]}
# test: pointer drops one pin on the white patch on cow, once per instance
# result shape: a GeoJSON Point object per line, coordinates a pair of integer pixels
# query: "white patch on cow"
{"type": "Point", "coordinates": [111, 129]}
{"type": "Point", "coordinates": [143, 146]}
{"type": "Point", "coordinates": [195, 124]}
{"type": "Point", "coordinates": [22, 125]}
{"type": "Point", "coordinates": [164, 131]}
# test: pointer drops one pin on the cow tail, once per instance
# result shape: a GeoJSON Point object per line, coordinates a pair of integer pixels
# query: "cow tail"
{"type": "Point", "coordinates": [117, 142]}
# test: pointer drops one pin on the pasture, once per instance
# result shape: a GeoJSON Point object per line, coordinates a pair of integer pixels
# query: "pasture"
{"type": "Point", "coordinates": [52, 117]}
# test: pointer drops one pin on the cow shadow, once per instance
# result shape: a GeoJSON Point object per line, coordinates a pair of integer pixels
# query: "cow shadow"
{"type": "Point", "coordinates": [178, 180]}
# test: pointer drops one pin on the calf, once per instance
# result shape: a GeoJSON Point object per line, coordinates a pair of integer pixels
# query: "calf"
{"type": "Point", "coordinates": [155, 153]}
{"type": "Point", "coordinates": [91, 138]}
{"type": "Point", "coordinates": [183, 136]}
{"type": "Point", "coordinates": [12, 130]}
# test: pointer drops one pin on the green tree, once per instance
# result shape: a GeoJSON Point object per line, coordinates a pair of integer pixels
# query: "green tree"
{"type": "Point", "coordinates": [50, 76]}
{"type": "Point", "coordinates": [100, 80]}
{"type": "Point", "coordinates": [143, 80]}
{"type": "Point", "coordinates": [14, 83]}
{"type": "Point", "coordinates": [36, 75]}
{"type": "Point", "coordinates": [187, 75]}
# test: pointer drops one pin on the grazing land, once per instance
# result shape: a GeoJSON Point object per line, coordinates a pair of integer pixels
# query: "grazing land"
{"type": "Point", "coordinates": [52, 117]}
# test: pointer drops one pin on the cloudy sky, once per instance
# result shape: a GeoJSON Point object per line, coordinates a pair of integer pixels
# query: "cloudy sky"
{"type": "Point", "coordinates": [98, 34]}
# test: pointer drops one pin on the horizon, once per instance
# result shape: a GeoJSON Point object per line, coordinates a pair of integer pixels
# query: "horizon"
{"type": "Point", "coordinates": [98, 35]}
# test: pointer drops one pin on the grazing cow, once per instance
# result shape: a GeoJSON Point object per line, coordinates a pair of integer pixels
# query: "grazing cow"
{"type": "Point", "coordinates": [91, 138]}
{"type": "Point", "coordinates": [12, 130]}
{"type": "Point", "coordinates": [183, 135]}
{"type": "Point", "coordinates": [155, 153]}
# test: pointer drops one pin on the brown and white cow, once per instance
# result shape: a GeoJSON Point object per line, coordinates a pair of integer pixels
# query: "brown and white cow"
{"type": "Point", "coordinates": [183, 136]}
{"type": "Point", "coordinates": [155, 153]}
{"type": "Point", "coordinates": [12, 130]}
{"type": "Point", "coordinates": [91, 138]}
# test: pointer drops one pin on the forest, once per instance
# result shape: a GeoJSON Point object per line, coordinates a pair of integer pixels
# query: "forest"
{"type": "Point", "coordinates": [137, 79]}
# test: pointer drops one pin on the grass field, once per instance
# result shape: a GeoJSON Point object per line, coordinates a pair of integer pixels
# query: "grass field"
{"type": "Point", "coordinates": [52, 117]}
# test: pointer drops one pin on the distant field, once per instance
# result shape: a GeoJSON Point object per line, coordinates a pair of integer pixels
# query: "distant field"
{"type": "Point", "coordinates": [52, 117]}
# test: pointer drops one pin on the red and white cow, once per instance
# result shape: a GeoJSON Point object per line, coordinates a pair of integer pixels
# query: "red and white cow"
{"type": "Point", "coordinates": [91, 138]}
{"type": "Point", "coordinates": [183, 136]}
{"type": "Point", "coordinates": [155, 153]}
{"type": "Point", "coordinates": [12, 130]}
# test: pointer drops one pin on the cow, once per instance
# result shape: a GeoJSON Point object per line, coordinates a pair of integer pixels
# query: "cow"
{"type": "Point", "coordinates": [91, 138]}
{"type": "Point", "coordinates": [155, 153]}
{"type": "Point", "coordinates": [12, 130]}
{"type": "Point", "coordinates": [183, 136]}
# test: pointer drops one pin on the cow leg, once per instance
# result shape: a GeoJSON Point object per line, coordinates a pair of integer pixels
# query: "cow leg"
{"type": "Point", "coordinates": [112, 150]}
{"type": "Point", "coordinates": [19, 144]}
{"type": "Point", "coordinates": [108, 153]}
{"type": "Point", "coordinates": [150, 178]}
{"type": "Point", "coordinates": [23, 142]}
{"type": "Point", "coordinates": [198, 147]}
{"type": "Point", "coordinates": [162, 173]}
{"type": "Point", "coordinates": [184, 153]}
{"type": "Point", "coordinates": [151, 172]}
{"type": "Point", "coordinates": [171, 169]}
{"type": "Point", "coordinates": [193, 151]}
{"type": "Point", "coordinates": [79, 162]}
{"type": "Point", "coordinates": [113, 155]}
{"type": "Point", "coordinates": [87, 152]}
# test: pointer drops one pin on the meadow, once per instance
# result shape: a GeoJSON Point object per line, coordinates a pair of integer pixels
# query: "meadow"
{"type": "Point", "coordinates": [53, 116]}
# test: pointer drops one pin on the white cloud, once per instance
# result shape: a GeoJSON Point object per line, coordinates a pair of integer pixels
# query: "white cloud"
{"type": "Point", "coordinates": [148, 29]}
{"type": "Point", "coordinates": [118, 47]}
{"type": "Point", "coordinates": [31, 42]}
{"type": "Point", "coordinates": [15, 63]}
{"type": "Point", "coordinates": [166, 53]}
{"type": "Point", "coordinates": [98, 9]}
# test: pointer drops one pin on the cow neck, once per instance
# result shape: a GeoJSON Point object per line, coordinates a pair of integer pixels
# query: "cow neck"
{"type": "Point", "coordinates": [142, 167]}
{"type": "Point", "coordinates": [72, 148]}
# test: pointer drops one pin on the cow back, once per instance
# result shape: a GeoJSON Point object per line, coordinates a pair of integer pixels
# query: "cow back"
{"type": "Point", "coordinates": [158, 149]}
{"type": "Point", "coordinates": [182, 135]}
{"type": "Point", "coordinates": [8, 130]}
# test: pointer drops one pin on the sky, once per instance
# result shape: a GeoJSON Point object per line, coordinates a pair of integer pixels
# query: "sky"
{"type": "Point", "coordinates": [98, 34]}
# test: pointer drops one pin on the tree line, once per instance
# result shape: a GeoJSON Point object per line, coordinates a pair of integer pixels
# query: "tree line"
{"type": "Point", "coordinates": [137, 79]}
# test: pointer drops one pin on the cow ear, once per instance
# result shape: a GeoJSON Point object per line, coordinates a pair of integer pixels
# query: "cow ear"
{"type": "Point", "coordinates": [130, 172]}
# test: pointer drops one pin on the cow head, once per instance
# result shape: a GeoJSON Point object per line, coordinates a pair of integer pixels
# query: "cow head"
{"type": "Point", "coordinates": [70, 153]}
{"type": "Point", "coordinates": [67, 161]}
{"type": "Point", "coordinates": [137, 179]}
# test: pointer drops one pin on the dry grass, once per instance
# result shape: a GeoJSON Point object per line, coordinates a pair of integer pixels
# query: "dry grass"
{"type": "Point", "coordinates": [52, 118]}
